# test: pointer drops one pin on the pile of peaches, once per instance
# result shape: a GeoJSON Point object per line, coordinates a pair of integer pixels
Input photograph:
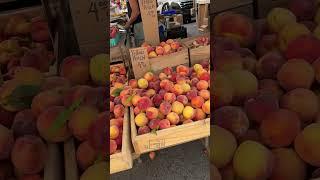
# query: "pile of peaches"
{"type": "Point", "coordinates": [36, 110]}
{"type": "Point", "coordinates": [266, 95]}
{"type": "Point", "coordinates": [118, 80]}
{"type": "Point", "coordinates": [200, 42]}
{"type": "Point", "coordinates": [164, 48]}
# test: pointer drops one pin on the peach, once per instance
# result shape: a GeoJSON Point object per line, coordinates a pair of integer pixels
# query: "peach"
{"type": "Point", "coordinates": [191, 94]}
{"type": "Point", "coordinates": [75, 69]}
{"type": "Point", "coordinates": [302, 101]}
{"type": "Point", "coordinates": [143, 130]}
{"type": "Point", "coordinates": [202, 85]}
{"type": "Point", "coordinates": [83, 91]}
{"type": "Point", "coordinates": [269, 64]}
{"type": "Point", "coordinates": [6, 117]}
{"type": "Point", "coordinates": [6, 141]}
{"type": "Point", "coordinates": [188, 112]}
{"type": "Point", "coordinates": [143, 83]}
{"type": "Point", "coordinates": [46, 125]}
{"type": "Point", "coordinates": [186, 88]}
{"type": "Point", "coordinates": [206, 107]}
{"type": "Point", "coordinates": [135, 99]}
{"type": "Point", "coordinates": [267, 43]}
{"type": "Point", "coordinates": [187, 121]}
{"type": "Point", "coordinates": [178, 89]}
{"type": "Point", "coordinates": [227, 61]}
{"type": "Point", "coordinates": [194, 82]}
{"type": "Point", "coordinates": [114, 132]}
{"type": "Point", "coordinates": [296, 73]}
{"type": "Point", "coordinates": [133, 83]}
{"type": "Point", "coordinates": [205, 94]}
{"type": "Point", "coordinates": [152, 113]}
{"type": "Point", "coordinates": [162, 76]}
{"type": "Point", "coordinates": [150, 49]}
{"type": "Point", "coordinates": [157, 100]}
{"type": "Point", "coordinates": [118, 111]}
{"type": "Point", "coordinates": [245, 85]}
{"type": "Point", "coordinates": [38, 58]}
{"type": "Point", "coordinates": [279, 128]}
{"type": "Point", "coordinates": [258, 107]}
{"type": "Point", "coordinates": [28, 76]}
{"type": "Point", "coordinates": [290, 32]}
{"type": "Point", "coordinates": [144, 103]}
{"type": "Point", "coordinates": [150, 93]}
{"type": "Point", "coordinates": [197, 102]}
{"type": "Point", "coordinates": [177, 107]}
{"type": "Point", "coordinates": [97, 134]}
{"type": "Point", "coordinates": [155, 85]}
{"type": "Point", "coordinates": [141, 120]}
{"type": "Point", "coordinates": [310, 51]}
{"type": "Point", "coordinates": [224, 146]}
{"type": "Point", "coordinates": [165, 108]}
{"type": "Point", "coordinates": [175, 45]}
{"type": "Point", "coordinates": [159, 50]}
{"type": "Point", "coordinates": [167, 71]}
{"type": "Point", "coordinates": [223, 90]}
{"type": "Point", "coordinates": [29, 154]}
{"type": "Point", "coordinates": [81, 120]}
{"type": "Point", "coordinates": [199, 115]}
{"type": "Point", "coordinates": [136, 110]}
{"type": "Point", "coordinates": [152, 54]}
{"type": "Point", "coordinates": [180, 79]}
{"type": "Point", "coordinates": [148, 76]}
{"type": "Point", "coordinates": [182, 99]}
{"type": "Point", "coordinates": [167, 49]}
{"type": "Point", "coordinates": [277, 18]}
{"type": "Point", "coordinates": [270, 86]}
{"type": "Point", "coordinates": [183, 70]}
{"type": "Point", "coordinates": [252, 135]}
{"type": "Point", "coordinates": [25, 123]}
{"type": "Point", "coordinates": [154, 124]}
{"type": "Point", "coordinates": [173, 118]}
{"type": "Point", "coordinates": [166, 84]}
{"type": "Point", "coordinates": [235, 26]}
{"type": "Point", "coordinates": [169, 97]}
{"type": "Point", "coordinates": [259, 161]}
{"type": "Point", "coordinates": [113, 146]}
{"type": "Point", "coordinates": [86, 155]}
{"type": "Point", "coordinates": [303, 9]}
{"type": "Point", "coordinates": [204, 76]}
{"type": "Point", "coordinates": [44, 100]}
{"type": "Point", "coordinates": [169, 41]}
{"type": "Point", "coordinates": [288, 165]}
{"type": "Point", "coordinates": [117, 122]}
{"type": "Point", "coordinates": [307, 144]}
{"type": "Point", "coordinates": [233, 119]}
{"type": "Point", "coordinates": [197, 67]}
{"type": "Point", "coordinates": [164, 124]}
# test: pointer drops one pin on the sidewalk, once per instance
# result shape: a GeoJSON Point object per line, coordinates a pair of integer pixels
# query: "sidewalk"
{"type": "Point", "coordinates": [182, 162]}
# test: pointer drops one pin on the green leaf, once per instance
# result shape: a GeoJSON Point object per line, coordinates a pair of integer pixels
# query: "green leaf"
{"type": "Point", "coordinates": [129, 99]}
{"type": "Point", "coordinates": [21, 97]}
{"type": "Point", "coordinates": [64, 116]}
{"type": "Point", "coordinates": [117, 92]}
{"type": "Point", "coordinates": [154, 131]}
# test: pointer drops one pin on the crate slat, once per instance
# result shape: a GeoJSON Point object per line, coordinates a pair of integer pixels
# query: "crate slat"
{"type": "Point", "coordinates": [197, 54]}
{"type": "Point", "coordinates": [52, 169]}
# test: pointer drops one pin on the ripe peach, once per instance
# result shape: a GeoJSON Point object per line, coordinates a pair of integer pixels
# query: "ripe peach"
{"type": "Point", "coordinates": [204, 75]}
{"type": "Point", "coordinates": [159, 50]}
{"type": "Point", "coordinates": [152, 54]}
{"type": "Point", "coordinates": [188, 112]}
{"type": "Point", "coordinates": [270, 86]}
{"type": "Point", "coordinates": [167, 71]}
{"type": "Point", "coordinates": [245, 85]}
{"type": "Point", "coordinates": [28, 75]}
{"type": "Point", "coordinates": [44, 100]}
{"type": "Point", "coordinates": [205, 94]}
{"type": "Point", "coordinates": [113, 146]}
{"type": "Point", "coordinates": [278, 18]}
{"type": "Point", "coordinates": [177, 107]}
{"type": "Point", "coordinates": [157, 100]}
{"type": "Point", "coordinates": [223, 90]}
{"type": "Point", "coordinates": [135, 99]}
{"type": "Point", "coordinates": [25, 123]}
{"type": "Point", "coordinates": [206, 107]}
{"type": "Point", "coordinates": [227, 61]}
{"type": "Point", "coordinates": [144, 103]}
{"type": "Point", "coordinates": [224, 144]}
{"type": "Point", "coordinates": [118, 111]}
{"type": "Point", "coordinates": [117, 122]}
{"type": "Point", "coordinates": [167, 49]}
{"type": "Point", "coordinates": [166, 84]}
{"type": "Point", "coordinates": [154, 124]}
{"type": "Point", "coordinates": [178, 89]}
{"type": "Point", "coordinates": [39, 58]}
{"type": "Point", "coordinates": [186, 88]}
{"type": "Point", "coordinates": [148, 76]}
{"type": "Point", "coordinates": [170, 97]}
{"type": "Point", "coordinates": [302, 101]}
{"type": "Point", "coordinates": [200, 115]}
{"type": "Point", "coordinates": [182, 99]}
{"type": "Point", "coordinates": [290, 32]}
{"type": "Point", "coordinates": [258, 107]}
{"type": "Point", "coordinates": [175, 45]}
{"type": "Point", "coordinates": [259, 161]}
{"type": "Point", "coordinates": [162, 76]}
{"type": "Point", "coordinates": [143, 130]}
{"type": "Point", "coordinates": [155, 85]}
{"type": "Point", "coordinates": [197, 102]}
{"type": "Point", "coordinates": [165, 108]}
{"type": "Point", "coordinates": [187, 121]}
{"type": "Point", "coordinates": [97, 134]}
{"type": "Point", "coordinates": [141, 120]}
{"type": "Point", "coordinates": [269, 64]}
{"type": "Point", "coordinates": [288, 165]}
{"type": "Point", "coordinates": [169, 41]}
{"type": "Point", "coordinates": [191, 94]}
{"type": "Point", "coordinates": [267, 43]}
{"type": "Point", "coordinates": [152, 113]}
{"type": "Point", "coordinates": [232, 118]}
{"type": "Point", "coordinates": [45, 125]}
{"type": "Point", "coordinates": [29, 154]}
{"type": "Point", "coordinates": [136, 110]}
{"type": "Point", "coordinates": [149, 93]}
{"type": "Point", "coordinates": [164, 124]}
{"type": "Point", "coordinates": [81, 120]}
{"type": "Point", "coordinates": [280, 128]}
{"type": "Point", "coordinates": [133, 83]}
{"type": "Point", "coordinates": [173, 118]}
{"type": "Point", "coordinates": [114, 132]}
{"type": "Point", "coordinates": [6, 142]}
{"type": "Point", "coordinates": [202, 85]}
{"type": "Point", "coordinates": [83, 91]}
{"type": "Point", "coordinates": [86, 155]}
{"type": "Point", "coordinates": [235, 26]}
{"type": "Point", "coordinates": [183, 70]}
{"type": "Point", "coordinates": [75, 69]}
{"type": "Point", "coordinates": [307, 144]}
{"type": "Point", "coordinates": [143, 83]}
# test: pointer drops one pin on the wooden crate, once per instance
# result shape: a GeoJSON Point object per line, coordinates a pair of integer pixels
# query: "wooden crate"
{"type": "Point", "coordinates": [170, 60]}
{"type": "Point", "coordinates": [168, 137]}
{"type": "Point", "coordinates": [53, 167]}
{"type": "Point", "coordinates": [197, 54]}
{"type": "Point", "coordinates": [264, 6]}
{"type": "Point", "coordinates": [118, 162]}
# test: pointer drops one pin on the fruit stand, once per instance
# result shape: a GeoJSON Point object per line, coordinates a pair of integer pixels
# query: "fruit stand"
{"type": "Point", "coordinates": [266, 93]}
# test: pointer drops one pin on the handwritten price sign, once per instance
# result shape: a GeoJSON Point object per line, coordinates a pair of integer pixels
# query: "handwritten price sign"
{"type": "Point", "coordinates": [140, 61]}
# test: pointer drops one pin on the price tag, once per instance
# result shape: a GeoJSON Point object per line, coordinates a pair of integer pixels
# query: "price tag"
{"type": "Point", "coordinates": [140, 61]}
{"type": "Point", "coordinates": [149, 14]}
{"type": "Point", "coordinates": [90, 19]}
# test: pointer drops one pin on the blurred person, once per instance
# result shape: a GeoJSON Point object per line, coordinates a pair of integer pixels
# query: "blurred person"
{"type": "Point", "coordinates": [135, 21]}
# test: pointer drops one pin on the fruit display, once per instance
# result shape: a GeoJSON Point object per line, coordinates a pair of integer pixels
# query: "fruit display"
{"type": "Point", "coordinates": [36, 110]}
{"type": "Point", "coordinates": [200, 42]}
{"type": "Point", "coordinates": [117, 110]}
{"type": "Point", "coordinates": [266, 96]}
{"type": "Point", "coordinates": [164, 48]}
